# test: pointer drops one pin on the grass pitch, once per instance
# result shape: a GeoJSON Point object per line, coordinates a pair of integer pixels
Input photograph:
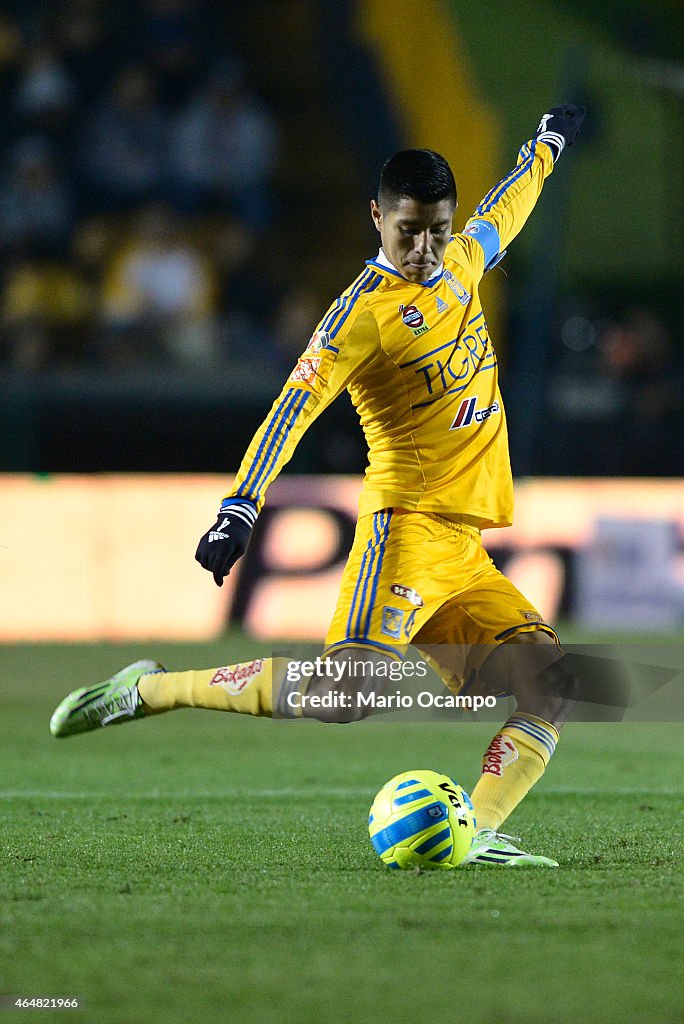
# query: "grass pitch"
{"type": "Point", "coordinates": [203, 867]}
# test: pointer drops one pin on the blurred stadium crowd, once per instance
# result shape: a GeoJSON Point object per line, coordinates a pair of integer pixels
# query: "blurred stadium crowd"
{"type": "Point", "coordinates": [136, 188]}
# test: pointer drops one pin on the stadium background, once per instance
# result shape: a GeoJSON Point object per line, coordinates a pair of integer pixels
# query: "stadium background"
{"type": "Point", "coordinates": [153, 296]}
{"type": "Point", "coordinates": [151, 301]}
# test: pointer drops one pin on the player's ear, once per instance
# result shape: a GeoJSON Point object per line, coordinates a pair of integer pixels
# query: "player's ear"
{"type": "Point", "coordinates": [376, 214]}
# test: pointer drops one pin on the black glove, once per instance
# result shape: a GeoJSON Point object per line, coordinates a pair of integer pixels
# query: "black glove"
{"type": "Point", "coordinates": [222, 545]}
{"type": "Point", "coordinates": [560, 127]}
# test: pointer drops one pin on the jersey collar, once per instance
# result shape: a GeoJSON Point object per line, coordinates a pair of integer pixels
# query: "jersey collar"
{"type": "Point", "coordinates": [383, 263]}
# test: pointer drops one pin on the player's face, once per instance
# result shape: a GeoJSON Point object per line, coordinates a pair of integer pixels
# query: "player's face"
{"type": "Point", "coordinates": [414, 235]}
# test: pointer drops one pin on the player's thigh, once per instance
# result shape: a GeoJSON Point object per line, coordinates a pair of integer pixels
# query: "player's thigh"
{"type": "Point", "coordinates": [460, 638]}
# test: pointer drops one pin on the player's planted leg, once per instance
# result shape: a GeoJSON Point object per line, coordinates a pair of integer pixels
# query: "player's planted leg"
{"type": "Point", "coordinates": [529, 667]}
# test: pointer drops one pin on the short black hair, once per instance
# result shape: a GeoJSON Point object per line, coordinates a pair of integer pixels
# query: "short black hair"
{"type": "Point", "coordinates": [418, 174]}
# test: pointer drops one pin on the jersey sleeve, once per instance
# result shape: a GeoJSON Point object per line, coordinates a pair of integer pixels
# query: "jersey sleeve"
{"type": "Point", "coordinates": [324, 369]}
{"type": "Point", "coordinates": [504, 210]}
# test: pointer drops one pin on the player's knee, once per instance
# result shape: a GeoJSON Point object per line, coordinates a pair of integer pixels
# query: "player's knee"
{"type": "Point", "coordinates": [557, 682]}
{"type": "Point", "coordinates": [532, 667]}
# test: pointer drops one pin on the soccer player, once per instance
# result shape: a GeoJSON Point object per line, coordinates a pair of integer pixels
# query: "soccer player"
{"type": "Point", "coordinates": [409, 340]}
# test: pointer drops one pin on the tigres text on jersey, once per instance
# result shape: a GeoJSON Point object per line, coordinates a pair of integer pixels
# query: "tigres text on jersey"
{"type": "Point", "coordinates": [421, 371]}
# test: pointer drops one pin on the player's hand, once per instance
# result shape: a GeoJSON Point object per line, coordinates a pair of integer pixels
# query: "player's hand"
{"type": "Point", "coordinates": [560, 127]}
{"type": "Point", "coordinates": [226, 541]}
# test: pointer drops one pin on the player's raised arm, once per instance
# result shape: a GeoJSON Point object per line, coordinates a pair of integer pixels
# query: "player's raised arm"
{"type": "Point", "coordinates": [344, 337]}
{"type": "Point", "coordinates": [504, 210]}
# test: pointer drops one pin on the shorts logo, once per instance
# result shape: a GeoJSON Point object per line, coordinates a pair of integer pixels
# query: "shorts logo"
{"type": "Point", "coordinates": [409, 593]}
{"type": "Point", "coordinates": [467, 413]}
{"type": "Point", "coordinates": [319, 340]}
{"type": "Point", "coordinates": [530, 616]}
{"type": "Point", "coordinates": [306, 370]}
{"type": "Point", "coordinates": [501, 752]}
{"type": "Point", "coordinates": [234, 678]}
{"type": "Point", "coordinates": [457, 288]}
{"type": "Point", "coordinates": [392, 621]}
{"type": "Point", "coordinates": [414, 319]}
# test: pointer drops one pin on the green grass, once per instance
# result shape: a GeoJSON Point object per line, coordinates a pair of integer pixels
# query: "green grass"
{"type": "Point", "coordinates": [204, 867]}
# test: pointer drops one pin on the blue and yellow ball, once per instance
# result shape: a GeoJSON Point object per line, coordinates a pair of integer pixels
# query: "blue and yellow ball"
{"type": "Point", "coordinates": [421, 819]}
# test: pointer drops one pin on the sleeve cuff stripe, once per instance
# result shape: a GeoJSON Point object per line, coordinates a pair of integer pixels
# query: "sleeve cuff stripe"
{"type": "Point", "coordinates": [236, 512]}
{"type": "Point", "coordinates": [244, 511]}
{"type": "Point", "coordinates": [553, 140]}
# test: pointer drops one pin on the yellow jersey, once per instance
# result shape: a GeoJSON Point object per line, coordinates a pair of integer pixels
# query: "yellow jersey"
{"type": "Point", "coordinates": [419, 365]}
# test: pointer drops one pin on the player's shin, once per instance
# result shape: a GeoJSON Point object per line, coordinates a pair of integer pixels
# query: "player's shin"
{"type": "Point", "coordinates": [244, 688]}
{"type": "Point", "coordinates": [514, 761]}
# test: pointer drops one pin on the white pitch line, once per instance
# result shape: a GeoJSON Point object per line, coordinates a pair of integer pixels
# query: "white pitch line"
{"type": "Point", "coordinates": [37, 794]}
{"type": "Point", "coordinates": [233, 794]}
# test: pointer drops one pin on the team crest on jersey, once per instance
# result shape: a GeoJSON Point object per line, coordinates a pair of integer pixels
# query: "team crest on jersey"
{"type": "Point", "coordinates": [319, 340]}
{"type": "Point", "coordinates": [469, 413]}
{"type": "Point", "coordinates": [306, 370]}
{"type": "Point", "coordinates": [457, 288]}
{"type": "Point", "coordinates": [414, 319]}
{"type": "Point", "coordinates": [392, 621]}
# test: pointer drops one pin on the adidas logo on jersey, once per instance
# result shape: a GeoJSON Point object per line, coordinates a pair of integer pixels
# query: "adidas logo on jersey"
{"type": "Point", "coordinates": [441, 305]}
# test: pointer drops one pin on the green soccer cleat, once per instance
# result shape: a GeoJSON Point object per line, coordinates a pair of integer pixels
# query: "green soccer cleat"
{"type": "Point", "coordinates": [110, 703]}
{"type": "Point", "coordinates": [490, 847]}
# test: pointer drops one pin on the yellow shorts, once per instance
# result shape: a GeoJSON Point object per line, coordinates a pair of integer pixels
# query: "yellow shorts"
{"type": "Point", "coordinates": [417, 578]}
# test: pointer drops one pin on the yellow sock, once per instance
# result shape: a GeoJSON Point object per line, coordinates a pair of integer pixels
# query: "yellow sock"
{"type": "Point", "coordinates": [514, 760]}
{"type": "Point", "coordinates": [246, 688]}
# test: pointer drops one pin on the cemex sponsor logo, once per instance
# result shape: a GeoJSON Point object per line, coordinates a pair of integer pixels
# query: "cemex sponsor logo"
{"type": "Point", "coordinates": [234, 678]}
{"type": "Point", "coordinates": [306, 370]}
{"type": "Point", "coordinates": [501, 752]}
{"type": "Point", "coordinates": [414, 319]}
{"type": "Point", "coordinates": [411, 595]}
{"type": "Point", "coordinates": [467, 413]}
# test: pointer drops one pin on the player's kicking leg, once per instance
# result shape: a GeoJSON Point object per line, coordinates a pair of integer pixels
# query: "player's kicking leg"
{"type": "Point", "coordinates": [250, 687]}
{"type": "Point", "coordinates": [145, 688]}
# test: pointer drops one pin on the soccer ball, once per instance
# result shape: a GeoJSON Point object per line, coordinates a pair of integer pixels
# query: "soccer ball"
{"type": "Point", "coordinates": [421, 819]}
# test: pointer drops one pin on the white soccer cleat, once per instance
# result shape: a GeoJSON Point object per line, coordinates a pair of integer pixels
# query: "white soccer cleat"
{"type": "Point", "coordinates": [490, 847]}
{"type": "Point", "coordinates": [112, 702]}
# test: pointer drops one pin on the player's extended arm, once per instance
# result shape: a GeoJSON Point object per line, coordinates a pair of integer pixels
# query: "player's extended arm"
{"type": "Point", "coordinates": [504, 210]}
{"type": "Point", "coordinates": [321, 373]}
